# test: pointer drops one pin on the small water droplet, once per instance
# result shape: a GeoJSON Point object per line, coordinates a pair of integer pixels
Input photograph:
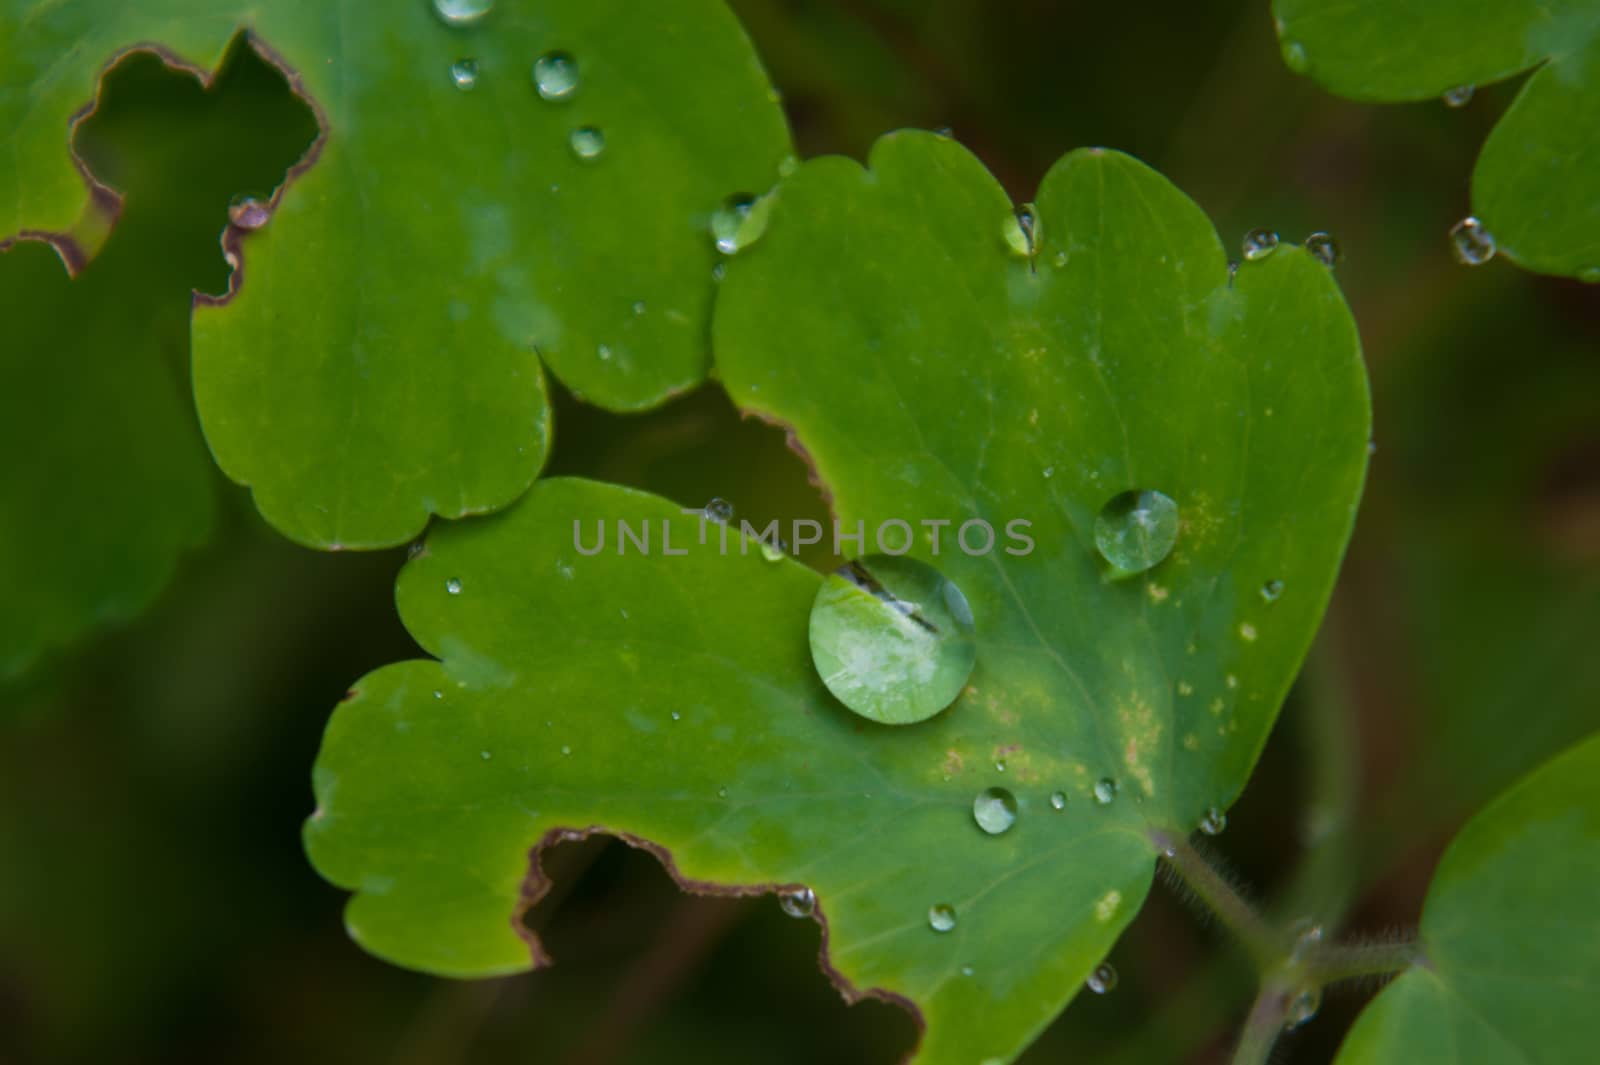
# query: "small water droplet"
{"type": "Point", "coordinates": [1295, 58]}
{"type": "Point", "coordinates": [967, 970]}
{"type": "Point", "coordinates": [565, 749]}
{"type": "Point", "coordinates": [676, 715]}
{"type": "Point", "coordinates": [415, 548]}
{"type": "Point", "coordinates": [719, 510]}
{"type": "Point", "coordinates": [453, 586]}
{"type": "Point", "coordinates": [588, 142]}
{"type": "Point", "coordinates": [1473, 245]}
{"type": "Point", "coordinates": [944, 131]}
{"type": "Point", "coordinates": [1459, 96]}
{"type": "Point", "coordinates": [437, 694]}
{"type": "Point", "coordinates": [1049, 472]}
{"type": "Point", "coordinates": [461, 12]}
{"type": "Point", "coordinates": [1058, 800]}
{"type": "Point", "coordinates": [722, 793]}
{"type": "Point", "coordinates": [604, 351]}
{"type": "Point", "coordinates": [770, 551]}
{"type": "Point", "coordinates": [249, 213]}
{"type": "Point", "coordinates": [485, 755]}
{"type": "Point", "coordinates": [639, 307]}
{"type": "Point", "coordinates": [1307, 938]}
{"type": "Point", "coordinates": [892, 638]}
{"type": "Point", "coordinates": [555, 75]}
{"type": "Point", "coordinates": [1303, 1007]}
{"type": "Point", "coordinates": [1136, 530]}
{"type": "Point", "coordinates": [1000, 765]}
{"type": "Point", "coordinates": [1323, 248]}
{"type": "Point", "coordinates": [1061, 258]}
{"type": "Point", "coordinates": [788, 165]}
{"type": "Point", "coordinates": [738, 222]}
{"type": "Point", "coordinates": [942, 918]}
{"type": "Point", "coordinates": [1213, 822]}
{"type": "Point", "coordinates": [1103, 979]}
{"type": "Point", "coordinates": [1021, 231]}
{"type": "Point", "coordinates": [718, 272]}
{"type": "Point", "coordinates": [1247, 632]}
{"type": "Point", "coordinates": [1271, 590]}
{"type": "Point", "coordinates": [798, 901]}
{"type": "Point", "coordinates": [1105, 790]}
{"type": "Point", "coordinates": [995, 810]}
{"type": "Point", "coordinates": [1258, 244]}
{"type": "Point", "coordinates": [464, 74]}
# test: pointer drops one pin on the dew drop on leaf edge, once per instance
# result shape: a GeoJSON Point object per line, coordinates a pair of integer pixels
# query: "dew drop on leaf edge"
{"type": "Point", "coordinates": [1303, 1007]}
{"type": "Point", "coordinates": [738, 222]}
{"type": "Point", "coordinates": [995, 810]}
{"type": "Point", "coordinates": [1213, 821]}
{"type": "Point", "coordinates": [1472, 244]}
{"type": "Point", "coordinates": [892, 638]}
{"type": "Point", "coordinates": [1323, 248]}
{"type": "Point", "coordinates": [798, 901]}
{"type": "Point", "coordinates": [941, 917]}
{"type": "Point", "coordinates": [555, 75]}
{"type": "Point", "coordinates": [1258, 244]}
{"type": "Point", "coordinates": [719, 510]}
{"type": "Point", "coordinates": [1460, 96]}
{"type": "Point", "coordinates": [1103, 979]}
{"type": "Point", "coordinates": [1136, 530]}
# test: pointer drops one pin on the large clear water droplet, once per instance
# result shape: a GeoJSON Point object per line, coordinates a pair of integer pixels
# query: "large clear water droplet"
{"type": "Point", "coordinates": [1136, 530]}
{"type": "Point", "coordinates": [588, 142]}
{"type": "Point", "coordinates": [798, 902]}
{"type": "Point", "coordinates": [1258, 244]}
{"type": "Point", "coordinates": [1103, 979]}
{"type": "Point", "coordinates": [995, 810]}
{"type": "Point", "coordinates": [464, 74]}
{"type": "Point", "coordinates": [1460, 96]}
{"type": "Point", "coordinates": [1303, 1007]}
{"type": "Point", "coordinates": [1471, 243]}
{"type": "Point", "coordinates": [892, 638]}
{"type": "Point", "coordinates": [1213, 821]}
{"type": "Point", "coordinates": [942, 917]}
{"type": "Point", "coordinates": [1323, 248]}
{"type": "Point", "coordinates": [461, 12]}
{"type": "Point", "coordinates": [1105, 790]}
{"type": "Point", "coordinates": [555, 75]}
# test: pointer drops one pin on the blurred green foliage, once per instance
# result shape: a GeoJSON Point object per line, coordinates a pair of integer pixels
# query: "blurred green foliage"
{"type": "Point", "coordinates": [155, 904]}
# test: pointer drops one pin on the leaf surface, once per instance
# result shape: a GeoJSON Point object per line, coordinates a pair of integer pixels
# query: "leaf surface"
{"type": "Point", "coordinates": [931, 375]}
{"type": "Point", "coordinates": [1534, 186]}
{"type": "Point", "coordinates": [380, 358]}
{"type": "Point", "coordinates": [1510, 935]}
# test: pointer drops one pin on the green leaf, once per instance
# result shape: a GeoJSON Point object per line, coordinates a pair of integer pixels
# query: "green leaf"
{"type": "Point", "coordinates": [380, 359]}
{"type": "Point", "coordinates": [109, 480]}
{"type": "Point", "coordinates": [1510, 935]}
{"type": "Point", "coordinates": [931, 376]}
{"type": "Point", "coordinates": [1533, 187]}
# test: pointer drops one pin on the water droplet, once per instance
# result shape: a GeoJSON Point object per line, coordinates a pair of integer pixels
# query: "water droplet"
{"type": "Point", "coordinates": [1590, 275]}
{"type": "Point", "coordinates": [1307, 938]}
{"type": "Point", "coordinates": [739, 222]}
{"type": "Point", "coordinates": [942, 918]}
{"type": "Point", "coordinates": [1103, 979]}
{"type": "Point", "coordinates": [588, 142]}
{"type": "Point", "coordinates": [1295, 58]}
{"type": "Point", "coordinates": [718, 272]}
{"type": "Point", "coordinates": [995, 810]}
{"type": "Point", "coordinates": [565, 749]}
{"type": "Point", "coordinates": [1323, 248]}
{"type": "Point", "coordinates": [485, 755]}
{"type": "Point", "coordinates": [1272, 590]}
{"type": "Point", "coordinates": [453, 586]}
{"type": "Point", "coordinates": [1061, 258]}
{"type": "Point", "coordinates": [1021, 231]}
{"type": "Point", "coordinates": [639, 307]}
{"type": "Point", "coordinates": [1105, 789]}
{"type": "Point", "coordinates": [892, 638]}
{"type": "Point", "coordinates": [437, 694]}
{"type": "Point", "coordinates": [461, 12]}
{"type": "Point", "coordinates": [1049, 472]}
{"type": "Point", "coordinates": [1473, 245]}
{"type": "Point", "coordinates": [1258, 244]}
{"type": "Point", "coordinates": [798, 902]}
{"type": "Point", "coordinates": [1136, 530]}
{"type": "Point", "coordinates": [1303, 1007]}
{"type": "Point", "coordinates": [555, 75]}
{"type": "Point", "coordinates": [719, 510]}
{"type": "Point", "coordinates": [249, 213]}
{"type": "Point", "coordinates": [464, 74]}
{"type": "Point", "coordinates": [1058, 800]}
{"type": "Point", "coordinates": [772, 552]}
{"type": "Point", "coordinates": [1213, 822]}
{"type": "Point", "coordinates": [1247, 632]}
{"type": "Point", "coordinates": [967, 970]}
{"type": "Point", "coordinates": [722, 793]}
{"type": "Point", "coordinates": [788, 165]}
{"type": "Point", "coordinates": [415, 548]}
{"type": "Point", "coordinates": [944, 131]}
{"type": "Point", "coordinates": [1459, 96]}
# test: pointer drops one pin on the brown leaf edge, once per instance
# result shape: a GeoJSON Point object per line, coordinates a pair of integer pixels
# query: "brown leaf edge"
{"type": "Point", "coordinates": [536, 884]}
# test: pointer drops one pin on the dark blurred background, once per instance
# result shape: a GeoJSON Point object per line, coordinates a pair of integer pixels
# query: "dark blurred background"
{"type": "Point", "coordinates": [155, 905]}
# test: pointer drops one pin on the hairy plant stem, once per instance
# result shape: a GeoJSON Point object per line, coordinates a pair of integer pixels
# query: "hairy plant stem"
{"type": "Point", "coordinates": [1290, 961]}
